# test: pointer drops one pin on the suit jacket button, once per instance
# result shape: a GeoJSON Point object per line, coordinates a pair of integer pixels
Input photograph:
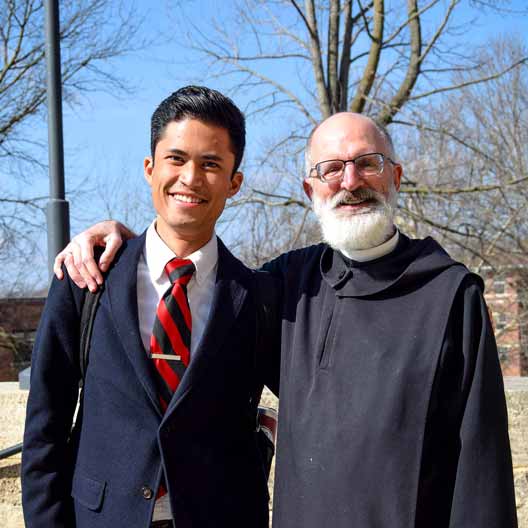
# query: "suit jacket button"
{"type": "Point", "coordinates": [147, 493]}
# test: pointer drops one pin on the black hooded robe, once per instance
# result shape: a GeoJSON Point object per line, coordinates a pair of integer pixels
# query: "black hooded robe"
{"type": "Point", "coordinates": [392, 407]}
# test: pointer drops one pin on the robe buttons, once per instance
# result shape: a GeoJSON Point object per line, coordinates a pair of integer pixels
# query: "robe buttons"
{"type": "Point", "coordinates": [147, 492]}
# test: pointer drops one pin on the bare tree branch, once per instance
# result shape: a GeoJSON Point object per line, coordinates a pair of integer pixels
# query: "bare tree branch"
{"type": "Point", "coordinates": [332, 55]}
{"type": "Point", "coordinates": [461, 190]}
{"type": "Point", "coordinates": [317, 61]}
{"type": "Point", "coordinates": [413, 69]}
{"type": "Point", "coordinates": [369, 74]}
{"type": "Point", "coordinates": [344, 66]}
{"type": "Point", "coordinates": [471, 82]}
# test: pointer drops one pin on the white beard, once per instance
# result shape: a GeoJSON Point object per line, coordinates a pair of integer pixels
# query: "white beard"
{"type": "Point", "coordinates": [364, 229]}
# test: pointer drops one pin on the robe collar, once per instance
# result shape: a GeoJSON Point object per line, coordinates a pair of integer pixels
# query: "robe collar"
{"type": "Point", "coordinates": [409, 263]}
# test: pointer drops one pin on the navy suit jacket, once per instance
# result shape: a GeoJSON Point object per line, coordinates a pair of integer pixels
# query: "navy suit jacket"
{"type": "Point", "coordinates": [106, 471]}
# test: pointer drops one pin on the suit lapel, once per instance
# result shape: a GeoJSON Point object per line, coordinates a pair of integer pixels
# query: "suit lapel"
{"type": "Point", "coordinates": [231, 288]}
{"type": "Point", "coordinates": [121, 289]}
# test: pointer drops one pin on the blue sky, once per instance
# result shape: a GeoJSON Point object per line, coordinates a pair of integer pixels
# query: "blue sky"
{"type": "Point", "coordinates": [107, 136]}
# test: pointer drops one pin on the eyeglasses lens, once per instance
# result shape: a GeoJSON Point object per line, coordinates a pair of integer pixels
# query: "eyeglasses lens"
{"type": "Point", "coordinates": [367, 165]}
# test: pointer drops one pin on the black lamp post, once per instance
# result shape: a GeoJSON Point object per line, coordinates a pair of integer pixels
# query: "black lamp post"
{"type": "Point", "coordinates": [58, 209]}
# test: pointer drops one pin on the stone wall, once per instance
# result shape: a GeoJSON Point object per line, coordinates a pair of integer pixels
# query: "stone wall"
{"type": "Point", "coordinates": [12, 403]}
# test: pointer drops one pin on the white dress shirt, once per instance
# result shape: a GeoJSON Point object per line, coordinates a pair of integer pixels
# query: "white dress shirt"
{"type": "Point", "coordinates": [153, 282]}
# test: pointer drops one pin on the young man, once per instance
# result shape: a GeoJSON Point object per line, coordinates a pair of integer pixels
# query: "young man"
{"type": "Point", "coordinates": [392, 405]}
{"type": "Point", "coordinates": [164, 435]}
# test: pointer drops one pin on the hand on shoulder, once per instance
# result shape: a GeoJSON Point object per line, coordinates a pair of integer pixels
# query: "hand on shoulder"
{"type": "Point", "coordinates": [78, 255]}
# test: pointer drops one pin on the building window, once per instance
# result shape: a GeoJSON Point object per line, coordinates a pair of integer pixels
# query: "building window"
{"type": "Point", "coordinates": [500, 320]}
{"type": "Point", "coordinates": [499, 286]}
{"type": "Point", "coordinates": [504, 354]}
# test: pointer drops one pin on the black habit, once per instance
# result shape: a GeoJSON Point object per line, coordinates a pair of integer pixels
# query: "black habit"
{"type": "Point", "coordinates": [392, 408]}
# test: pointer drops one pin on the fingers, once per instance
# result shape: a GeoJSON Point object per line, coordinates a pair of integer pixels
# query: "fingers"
{"type": "Point", "coordinates": [78, 259]}
{"type": "Point", "coordinates": [84, 262]}
{"type": "Point", "coordinates": [73, 271]}
{"type": "Point", "coordinates": [109, 234]}
{"type": "Point", "coordinates": [78, 255]}
{"type": "Point", "coordinates": [66, 257]}
{"type": "Point", "coordinates": [113, 243]}
{"type": "Point", "coordinates": [57, 264]}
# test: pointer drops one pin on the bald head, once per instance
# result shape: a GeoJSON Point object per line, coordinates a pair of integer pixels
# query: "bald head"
{"type": "Point", "coordinates": [342, 123]}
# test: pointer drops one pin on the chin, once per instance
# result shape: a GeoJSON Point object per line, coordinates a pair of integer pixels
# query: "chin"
{"type": "Point", "coordinates": [361, 231]}
{"type": "Point", "coordinates": [351, 232]}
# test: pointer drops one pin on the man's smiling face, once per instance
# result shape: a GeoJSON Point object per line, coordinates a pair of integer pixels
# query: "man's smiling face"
{"type": "Point", "coordinates": [355, 211]}
{"type": "Point", "coordinates": [346, 136]}
{"type": "Point", "coordinates": [191, 179]}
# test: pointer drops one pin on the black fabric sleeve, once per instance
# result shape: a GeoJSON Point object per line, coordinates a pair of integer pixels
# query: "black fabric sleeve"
{"type": "Point", "coordinates": [47, 456]}
{"type": "Point", "coordinates": [483, 493]}
{"type": "Point", "coordinates": [278, 267]}
{"type": "Point", "coordinates": [268, 345]}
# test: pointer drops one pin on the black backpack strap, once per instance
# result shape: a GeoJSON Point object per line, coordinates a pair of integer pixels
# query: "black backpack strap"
{"type": "Point", "coordinates": [89, 309]}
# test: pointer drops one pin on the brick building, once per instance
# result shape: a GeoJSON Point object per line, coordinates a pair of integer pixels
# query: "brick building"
{"type": "Point", "coordinates": [507, 298]}
{"type": "Point", "coordinates": [506, 295]}
{"type": "Point", "coordinates": [18, 322]}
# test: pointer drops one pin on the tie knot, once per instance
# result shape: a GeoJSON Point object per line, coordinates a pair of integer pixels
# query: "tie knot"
{"type": "Point", "coordinates": [180, 270]}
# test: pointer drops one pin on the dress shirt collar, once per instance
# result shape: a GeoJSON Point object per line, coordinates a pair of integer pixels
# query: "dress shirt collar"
{"type": "Point", "coordinates": [157, 254]}
{"type": "Point", "coordinates": [365, 255]}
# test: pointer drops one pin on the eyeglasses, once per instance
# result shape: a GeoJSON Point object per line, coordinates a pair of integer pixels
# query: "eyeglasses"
{"type": "Point", "coordinates": [366, 165]}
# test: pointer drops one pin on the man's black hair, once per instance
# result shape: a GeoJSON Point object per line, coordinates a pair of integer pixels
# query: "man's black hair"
{"type": "Point", "coordinates": [206, 105]}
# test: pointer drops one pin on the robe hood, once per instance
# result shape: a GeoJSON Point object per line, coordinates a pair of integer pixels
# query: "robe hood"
{"type": "Point", "coordinates": [411, 264]}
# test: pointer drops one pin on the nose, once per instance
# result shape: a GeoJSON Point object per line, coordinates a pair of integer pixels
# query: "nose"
{"type": "Point", "coordinates": [351, 178]}
{"type": "Point", "coordinates": [190, 174]}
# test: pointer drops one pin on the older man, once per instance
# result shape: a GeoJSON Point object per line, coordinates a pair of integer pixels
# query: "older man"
{"type": "Point", "coordinates": [392, 403]}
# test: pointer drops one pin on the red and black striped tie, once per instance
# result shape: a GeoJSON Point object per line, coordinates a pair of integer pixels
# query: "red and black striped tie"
{"type": "Point", "coordinates": [170, 343]}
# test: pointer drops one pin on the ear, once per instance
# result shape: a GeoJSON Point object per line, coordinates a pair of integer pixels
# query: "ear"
{"type": "Point", "coordinates": [236, 182]}
{"type": "Point", "coordinates": [148, 166]}
{"type": "Point", "coordinates": [397, 171]}
{"type": "Point", "coordinates": [307, 186]}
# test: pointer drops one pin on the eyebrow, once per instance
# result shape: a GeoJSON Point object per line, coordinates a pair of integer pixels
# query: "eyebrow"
{"type": "Point", "coordinates": [206, 156]}
{"type": "Point", "coordinates": [213, 157]}
{"type": "Point", "coordinates": [176, 151]}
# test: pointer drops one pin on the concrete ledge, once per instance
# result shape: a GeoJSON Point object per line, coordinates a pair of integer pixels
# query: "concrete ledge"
{"type": "Point", "coordinates": [517, 399]}
{"type": "Point", "coordinates": [10, 501]}
{"type": "Point", "coordinates": [13, 405]}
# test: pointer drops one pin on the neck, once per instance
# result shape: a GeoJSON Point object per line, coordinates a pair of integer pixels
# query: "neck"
{"type": "Point", "coordinates": [180, 244]}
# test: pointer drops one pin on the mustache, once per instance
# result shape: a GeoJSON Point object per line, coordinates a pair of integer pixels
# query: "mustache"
{"type": "Point", "coordinates": [345, 197]}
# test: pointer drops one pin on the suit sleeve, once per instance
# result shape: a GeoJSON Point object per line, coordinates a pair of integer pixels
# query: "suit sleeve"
{"type": "Point", "coordinates": [47, 450]}
{"type": "Point", "coordinates": [483, 495]}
